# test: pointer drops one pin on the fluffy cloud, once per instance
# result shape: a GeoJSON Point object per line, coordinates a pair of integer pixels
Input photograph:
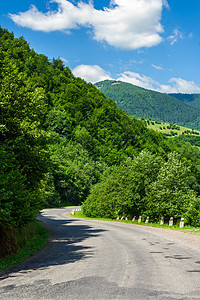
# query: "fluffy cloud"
{"type": "Point", "coordinates": [176, 85]}
{"type": "Point", "coordinates": [139, 80]}
{"type": "Point", "coordinates": [94, 73]}
{"type": "Point", "coordinates": [179, 85]}
{"type": "Point", "coordinates": [128, 24]}
{"type": "Point", "coordinates": [91, 73]}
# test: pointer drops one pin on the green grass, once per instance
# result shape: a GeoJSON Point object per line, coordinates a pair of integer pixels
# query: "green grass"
{"type": "Point", "coordinates": [38, 239]}
{"type": "Point", "coordinates": [188, 229]}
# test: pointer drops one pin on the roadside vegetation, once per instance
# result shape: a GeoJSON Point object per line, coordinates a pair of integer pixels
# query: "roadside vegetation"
{"type": "Point", "coordinates": [63, 142]}
{"type": "Point", "coordinates": [147, 186]}
{"type": "Point", "coordinates": [26, 242]}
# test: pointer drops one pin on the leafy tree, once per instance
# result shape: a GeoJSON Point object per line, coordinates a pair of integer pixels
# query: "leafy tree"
{"type": "Point", "coordinates": [18, 204]}
{"type": "Point", "coordinates": [73, 171]}
{"type": "Point", "coordinates": [123, 192]}
{"type": "Point", "coordinates": [170, 195]}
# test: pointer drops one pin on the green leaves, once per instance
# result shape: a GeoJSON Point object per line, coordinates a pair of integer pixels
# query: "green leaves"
{"type": "Point", "coordinates": [123, 191]}
{"type": "Point", "coordinates": [170, 194]}
{"type": "Point", "coordinates": [145, 185]}
{"type": "Point", "coordinates": [18, 205]}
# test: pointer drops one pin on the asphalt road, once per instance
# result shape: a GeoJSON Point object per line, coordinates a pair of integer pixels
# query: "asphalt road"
{"type": "Point", "coordinates": [105, 260]}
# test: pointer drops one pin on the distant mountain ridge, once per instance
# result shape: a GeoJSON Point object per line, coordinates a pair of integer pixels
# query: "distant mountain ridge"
{"type": "Point", "coordinates": [139, 102]}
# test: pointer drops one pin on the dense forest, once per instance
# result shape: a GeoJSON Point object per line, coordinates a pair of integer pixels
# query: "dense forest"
{"type": "Point", "coordinates": [143, 103]}
{"type": "Point", "coordinates": [190, 99]}
{"type": "Point", "coordinates": [62, 141]}
{"type": "Point", "coordinates": [193, 140]}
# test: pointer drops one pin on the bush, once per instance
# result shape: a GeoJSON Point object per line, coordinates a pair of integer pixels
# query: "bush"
{"type": "Point", "coordinates": [149, 186]}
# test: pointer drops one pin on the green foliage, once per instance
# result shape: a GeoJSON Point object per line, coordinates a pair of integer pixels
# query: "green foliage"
{"type": "Point", "coordinates": [22, 147]}
{"type": "Point", "coordinates": [192, 214]}
{"type": "Point", "coordinates": [190, 99]}
{"type": "Point", "coordinates": [18, 203]}
{"type": "Point", "coordinates": [146, 185]}
{"type": "Point", "coordinates": [123, 191]}
{"type": "Point", "coordinates": [170, 195]}
{"type": "Point", "coordinates": [73, 173]}
{"type": "Point", "coordinates": [193, 140]}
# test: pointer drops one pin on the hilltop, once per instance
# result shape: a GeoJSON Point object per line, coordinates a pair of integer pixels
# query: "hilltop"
{"type": "Point", "coordinates": [140, 102]}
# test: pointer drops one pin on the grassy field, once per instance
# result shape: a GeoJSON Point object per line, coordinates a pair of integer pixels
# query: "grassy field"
{"type": "Point", "coordinates": [170, 129]}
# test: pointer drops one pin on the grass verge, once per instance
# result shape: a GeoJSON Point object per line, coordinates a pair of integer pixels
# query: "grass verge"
{"type": "Point", "coordinates": [188, 229]}
{"type": "Point", "coordinates": [35, 239]}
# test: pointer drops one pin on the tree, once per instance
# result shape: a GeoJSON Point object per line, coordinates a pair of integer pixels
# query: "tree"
{"type": "Point", "coordinates": [124, 190]}
{"type": "Point", "coordinates": [170, 195]}
{"type": "Point", "coordinates": [22, 146]}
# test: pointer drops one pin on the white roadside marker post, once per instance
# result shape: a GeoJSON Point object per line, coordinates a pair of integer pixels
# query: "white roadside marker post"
{"type": "Point", "coordinates": [171, 221]}
{"type": "Point", "coordinates": [182, 223]}
{"type": "Point", "coordinates": [162, 221]}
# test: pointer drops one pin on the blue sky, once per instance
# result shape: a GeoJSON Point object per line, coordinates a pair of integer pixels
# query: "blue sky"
{"type": "Point", "coordinates": [151, 43]}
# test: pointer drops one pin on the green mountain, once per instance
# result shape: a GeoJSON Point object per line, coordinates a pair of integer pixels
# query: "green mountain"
{"type": "Point", "coordinates": [140, 102]}
{"type": "Point", "coordinates": [189, 99]}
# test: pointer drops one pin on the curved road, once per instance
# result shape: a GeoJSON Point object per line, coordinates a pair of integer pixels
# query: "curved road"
{"type": "Point", "coordinates": [106, 260]}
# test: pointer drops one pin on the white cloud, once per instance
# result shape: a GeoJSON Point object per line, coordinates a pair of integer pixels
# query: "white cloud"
{"type": "Point", "coordinates": [128, 24]}
{"type": "Point", "coordinates": [94, 73]}
{"type": "Point", "coordinates": [166, 4]}
{"type": "Point", "coordinates": [179, 85]}
{"type": "Point", "coordinates": [175, 85]}
{"type": "Point", "coordinates": [91, 73]}
{"type": "Point", "coordinates": [157, 67]}
{"type": "Point", "coordinates": [175, 36]}
{"type": "Point", "coordinates": [139, 80]}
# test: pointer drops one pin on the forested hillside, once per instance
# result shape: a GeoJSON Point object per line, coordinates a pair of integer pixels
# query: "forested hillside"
{"type": "Point", "coordinates": [140, 102]}
{"type": "Point", "coordinates": [190, 99]}
{"type": "Point", "coordinates": [59, 136]}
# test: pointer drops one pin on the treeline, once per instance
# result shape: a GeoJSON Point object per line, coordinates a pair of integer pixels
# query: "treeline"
{"type": "Point", "coordinates": [146, 185]}
{"type": "Point", "coordinates": [143, 103]}
{"type": "Point", "coordinates": [59, 136]}
{"type": "Point", "coordinates": [193, 140]}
